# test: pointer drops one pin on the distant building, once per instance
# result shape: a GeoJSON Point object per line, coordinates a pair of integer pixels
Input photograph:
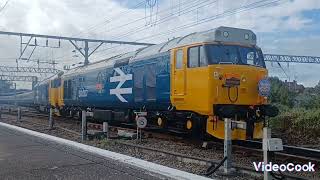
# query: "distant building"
{"type": "Point", "coordinates": [294, 86]}
{"type": "Point", "coordinates": [4, 86]}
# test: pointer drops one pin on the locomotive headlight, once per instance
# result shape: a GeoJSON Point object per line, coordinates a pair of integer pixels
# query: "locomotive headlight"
{"type": "Point", "coordinates": [264, 87]}
{"type": "Point", "coordinates": [244, 79]}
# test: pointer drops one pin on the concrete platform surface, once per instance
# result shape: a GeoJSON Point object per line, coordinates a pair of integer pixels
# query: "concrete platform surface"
{"type": "Point", "coordinates": [24, 156]}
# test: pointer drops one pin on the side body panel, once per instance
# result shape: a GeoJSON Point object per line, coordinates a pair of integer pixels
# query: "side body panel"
{"type": "Point", "coordinates": [23, 99]}
{"type": "Point", "coordinates": [133, 85]}
{"type": "Point", "coordinates": [195, 85]}
{"type": "Point", "coordinates": [42, 94]}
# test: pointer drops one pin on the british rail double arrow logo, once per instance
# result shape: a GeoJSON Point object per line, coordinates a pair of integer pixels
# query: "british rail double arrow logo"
{"type": "Point", "coordinates": [121, 78]}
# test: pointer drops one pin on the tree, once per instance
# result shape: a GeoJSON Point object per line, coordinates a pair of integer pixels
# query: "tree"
{"type": "Point", "coordinates": [317, 88]}
{"type": "Point", "coordinates": [280, 93]}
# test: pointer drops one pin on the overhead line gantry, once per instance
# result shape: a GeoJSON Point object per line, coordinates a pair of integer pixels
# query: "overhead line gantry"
{"type": "Point", "coordinates": [19, 78]}
{"type": "Point", "coordinates": [85, 53]}
{"type": "Point", "coordinates": [291, 58]}
{"type": "Point", "coordinates": [29, 70]}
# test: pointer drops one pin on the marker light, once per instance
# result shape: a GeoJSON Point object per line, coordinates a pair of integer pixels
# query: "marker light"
{"type": "Point", "coordinates": [246, 36]}
{"type": "Point", "coordinates": [225, 34]}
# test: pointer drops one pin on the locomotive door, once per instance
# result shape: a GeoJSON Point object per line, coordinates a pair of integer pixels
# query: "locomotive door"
{"type": "Point", "coordinates": [178, 75]}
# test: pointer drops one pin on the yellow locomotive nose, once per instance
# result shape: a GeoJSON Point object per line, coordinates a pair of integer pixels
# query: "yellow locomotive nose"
{"type": "Point", "coordinates": [239, 88]}
{"type": "Point", "coordinates": [221, 77]}
{"type": "Point", "coordinates": [235, 95]}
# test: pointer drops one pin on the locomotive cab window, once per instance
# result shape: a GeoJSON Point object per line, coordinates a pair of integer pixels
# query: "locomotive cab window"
{"type": "Point", "coordinates": [56, 83]}
{"type": "Point", "coordinates": [251, 56]}
{"type": "Point", "coordinates": [179, 59]}
{"type": "Point", "coordinates": [231, 54]}
{"type": "Point", "coordinates": [197, 57]}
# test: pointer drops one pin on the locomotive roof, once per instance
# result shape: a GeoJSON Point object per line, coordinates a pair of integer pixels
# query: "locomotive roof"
{"type": "Point", "coordinates": [220, 34]}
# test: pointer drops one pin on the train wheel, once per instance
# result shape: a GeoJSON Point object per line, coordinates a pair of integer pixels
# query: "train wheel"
{"type": "Point", "coordinates": [63, 113]}
{"type": "Point", "coordinates": [189, 124]}
{"type": "Point", "coordinates": [71, 113]}
{"type": "Point", "coordinates": [161, 122]}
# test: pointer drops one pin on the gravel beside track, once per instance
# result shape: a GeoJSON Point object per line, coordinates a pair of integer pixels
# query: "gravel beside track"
{"type": "Point", "coordinates": [71, 130]}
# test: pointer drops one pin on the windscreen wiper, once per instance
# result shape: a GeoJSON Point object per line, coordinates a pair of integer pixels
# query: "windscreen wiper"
{"type": "Point", "coordinates": [226, 63]}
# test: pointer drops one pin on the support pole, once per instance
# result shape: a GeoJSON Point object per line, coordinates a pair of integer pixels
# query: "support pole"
{"type": "Point", "coordinates": [86, 53]}
{"type": "Point", "coordinates": [266, 136]}
{"type": "Point", "coordinates": [140, 134]}
{"type": "Point", "coordinates": [15, 94]}
{"type": "Point", "coordinates": [227, 145]}
{"type": "Point", "coordinates": [106, 129]}
{"type": "Point", "coordinates": [0, 112]}
{"type": "Point", "coordinates": [50, 119]}
{"type": "Point", "coordinates": [19, 114]}
{"type": "Point", "coordinates": [84, 125]}
{"type": "Point", "coordinates": [137, 133]}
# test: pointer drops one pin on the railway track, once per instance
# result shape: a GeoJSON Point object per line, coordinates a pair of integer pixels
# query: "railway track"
{"type": "Point", "coordinates": [289, 150]}
{"type": "Point", "coordinates": [257, 145]}
{"type": "Point", "coordinates": [202, 161]}
{"type": "Point", "coordinates": [303, 154]}
{"type": "Point", "coordinates": [292, 151]}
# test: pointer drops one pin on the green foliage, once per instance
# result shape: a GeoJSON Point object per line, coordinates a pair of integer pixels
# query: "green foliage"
{"type": "Point", "coordinates": [317, 88]}
{"type": "Point", "coordinates": [298, 120]}
{"type": "Point", "coordinates": [307, 100]}
{"type": "Point", "coordinates": [280, 94]}
{"type": "Point", "coordinates": [299, 112]}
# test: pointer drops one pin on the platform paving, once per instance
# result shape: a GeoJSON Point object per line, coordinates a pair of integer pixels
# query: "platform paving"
{"type": "Point", "coordinates": [23, 156]}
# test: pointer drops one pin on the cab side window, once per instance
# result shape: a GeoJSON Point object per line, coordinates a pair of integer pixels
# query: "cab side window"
{"type": "Point", "coordinates": [193, 57]}
{"type": "Point", "coordinates": [203, 57]}
{"type": "Point", "coordinates": [179, 59]}
{"type": "Point", "coordinates": [196, 57]}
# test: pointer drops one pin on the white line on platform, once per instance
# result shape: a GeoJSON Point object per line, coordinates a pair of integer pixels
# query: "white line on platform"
{"type": "Point", "coordinates": [149, 166]}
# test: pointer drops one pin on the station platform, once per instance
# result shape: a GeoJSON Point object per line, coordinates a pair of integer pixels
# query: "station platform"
{"type": "Point", "coordinates": [28, 156]}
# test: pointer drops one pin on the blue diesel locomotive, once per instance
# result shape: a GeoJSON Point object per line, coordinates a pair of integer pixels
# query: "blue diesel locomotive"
{"type": "Point", "coordinates": [189, 83]}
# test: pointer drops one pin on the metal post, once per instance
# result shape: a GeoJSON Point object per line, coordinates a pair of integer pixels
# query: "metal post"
{"type": "Point", "coordinates": [106, 129]}
{"type": "Point", "coordinates": [137, 133]}
{"type": "Point", "coordinates": [227, 145]}
{"type": "Point", "coordinates": [15, 94]}
{"type": "Point", "coordinates": [19, 114]}
{"type": "Point", "coordinates": [86, 52]}
{"type": "Point", "coordinates": [140, 134]}
{"type": "Point", "coordinates": [50, 118]}
{"type": "Point", "coordinates": [0, 112]}
{"type": "Point", "coordinates": [21, 45]}
{"type": "Point", "coordinates": [84, 125]}
{"type": "Point", "coordinates": [266, 136]}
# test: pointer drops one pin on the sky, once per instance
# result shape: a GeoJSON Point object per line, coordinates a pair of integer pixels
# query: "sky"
{"type": "Point", "coordinates": [282, 26]}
